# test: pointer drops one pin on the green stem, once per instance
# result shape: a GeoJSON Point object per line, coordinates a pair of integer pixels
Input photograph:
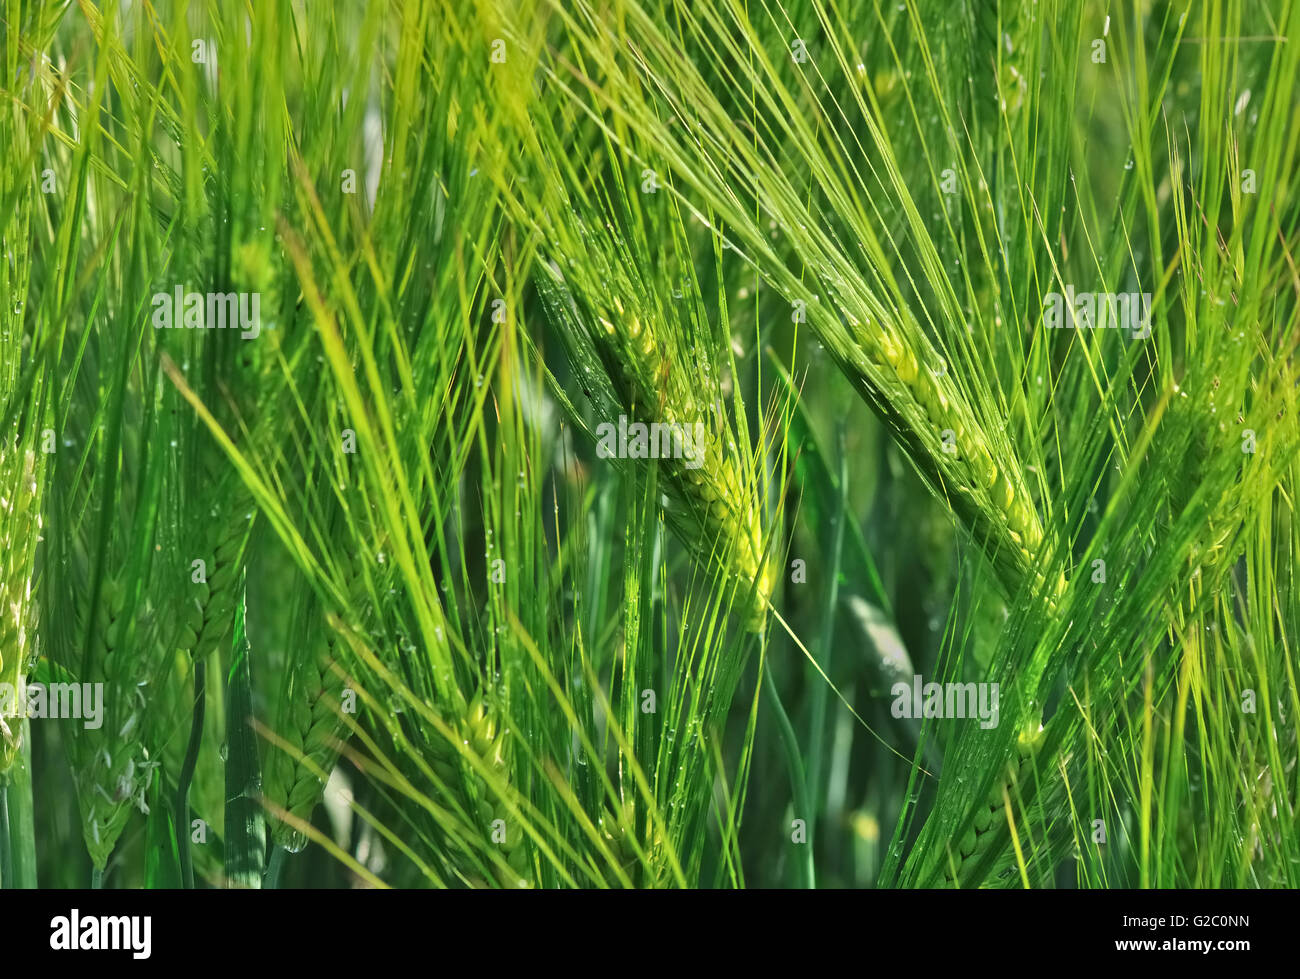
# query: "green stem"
{"type": "Point", "coordinates": [245, 833]}
{"type": "Point", "coordinates": [22, 835]}
{"type": "Point", "coordinates": [795, 764]}
{"type": "Point", "coordinates": [187, 775]}
{"type": "Point", "coordinates": [274, 867]}
{"type": "Point", "coordinates": [96, 879]}
{"type": "Point", "coordinates": [820, 687]}
{"type": "Point", "coordinates": [6, 868]}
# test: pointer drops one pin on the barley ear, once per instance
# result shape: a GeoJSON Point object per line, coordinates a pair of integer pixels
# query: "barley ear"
{"type": "Point", "coordinates": [110, 767]}
{"type": "Point", "coordinates": [312, 727]}
{"type": "Point", "coordinates": [20, 478]}
{"type": "Point", "coordinates": [634, 363]}
{"type": "Point", "coordinates": [965, 464]}
{"type": "Point", "coordinates": [310, 722]}
{"type": "Point", "coordinates": [208, 615]}
{"type": "Point", "coordinates": [990, 817]}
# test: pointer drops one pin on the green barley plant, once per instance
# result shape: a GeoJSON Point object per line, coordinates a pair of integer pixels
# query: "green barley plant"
{"type": "Point", "coordinates": [102, 621]}
{"type": "Point", "coordinates": [638, 370]}
{"type": "Point", "coordinates": [863, 321]}
{"type": "Point", "coordinates": [30, 335]}
{"type": "Point", "coordinates": [310, 719]}
{"type": "Point", "coordinates": [638, 399]}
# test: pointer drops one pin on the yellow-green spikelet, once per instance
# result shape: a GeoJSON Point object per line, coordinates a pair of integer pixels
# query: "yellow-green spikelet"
{"type": "Point", "coordinates": [617, 833]}
{"type": "Point", "coordinates": [722, 509]}
{"type": "Point", "coordinates": [984, 485]}
{"type": "Point", "coordinates": [482, 735]}
{"type": "Point", "coordinates": [20, 511]}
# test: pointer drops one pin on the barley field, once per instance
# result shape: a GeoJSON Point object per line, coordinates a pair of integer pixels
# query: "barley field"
{"type": "Point", "coordinates": [696, 444]}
